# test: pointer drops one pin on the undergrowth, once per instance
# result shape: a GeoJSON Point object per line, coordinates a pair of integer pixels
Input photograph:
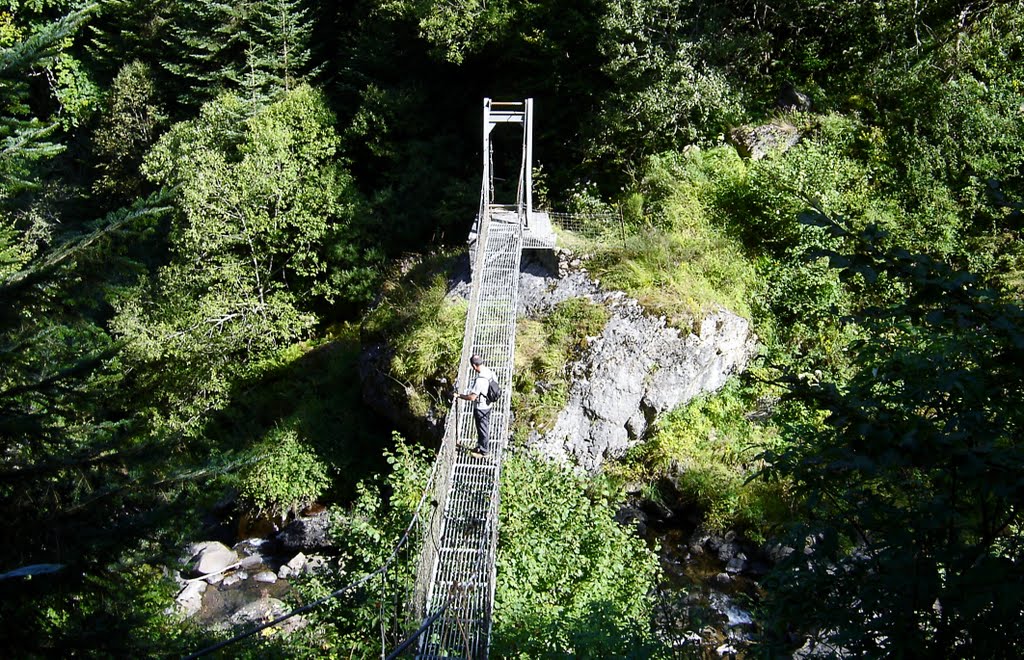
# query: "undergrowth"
{"type": "Point", "coordinates": [707, 450]}
{"type": "Point", "coordinates": [571, 580]}
{"type": "Point", "coordinates": [423, 328]}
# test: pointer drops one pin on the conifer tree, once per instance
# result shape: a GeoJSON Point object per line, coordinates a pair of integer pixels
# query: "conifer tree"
{"type": "Point", "coordinates": [59, 423]}
{"type": "Point", "coordinates": [259, 46]}
{"type": "Point", "coordinates": [127, 31]}
{"type": "Point", "coordinates": [126, 131]}
{"type": "Point", "coordinates": [203, 41]}
{"type": "Point", "coordinates": [280, 37]}
{"type": "Point", "coordinates": [26, 139]}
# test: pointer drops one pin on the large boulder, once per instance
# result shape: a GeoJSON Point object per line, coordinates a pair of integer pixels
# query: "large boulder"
{"type": "Point", "coordinates": [792, 100]}
{"type": "Point", "coordinates": [636, 369]}
{"type": "Point", "coordinates": [756, 142]}
{"type": "Point", "coordinates": [264, 610]}
{"type": "Point", "coordinates": [306, 533]}
{"type": "Point", "coordinates": [213, 557]}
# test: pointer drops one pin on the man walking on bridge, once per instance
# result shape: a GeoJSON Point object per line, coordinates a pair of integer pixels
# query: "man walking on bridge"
{"type": "Point", "coordinates": [482, 411]}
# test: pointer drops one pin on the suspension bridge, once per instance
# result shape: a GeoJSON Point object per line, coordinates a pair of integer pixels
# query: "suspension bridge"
{"type": "Point", "coordinates": [455, 576]}
{"type": "Point", "coordinates": [442, 607]}
{"type": "Point", "coordinates": [457, 563]}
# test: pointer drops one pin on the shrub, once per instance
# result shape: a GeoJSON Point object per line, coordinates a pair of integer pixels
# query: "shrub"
{"type": "Point", "coordinates": [286, 477]}
{"type": "Point", "coordinates": [707, 448]}
{"type": "Point", "coordinates": [681, 261]}
{"type": "Point", "coordinates": [571, 581]}
{"type": "Point", "coordinates": [424, 328]}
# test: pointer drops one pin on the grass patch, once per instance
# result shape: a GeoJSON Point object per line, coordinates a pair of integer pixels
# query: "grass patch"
{"type": "Point", "coordinates": [679, 259]}
{"type": "Point", "coordinates": [424, 330]}
{"type": "Point", "coordinates": [680, 274]}
{"type": "Point", "coordinates": [544, 349]}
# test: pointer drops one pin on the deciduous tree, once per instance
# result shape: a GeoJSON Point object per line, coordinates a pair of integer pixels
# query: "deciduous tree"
{"type": "Point", "coordinates": [911, 473]}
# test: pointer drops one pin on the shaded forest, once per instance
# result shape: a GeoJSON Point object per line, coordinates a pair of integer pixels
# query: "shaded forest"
{"type": "Point", "coordinates": [204, 209]}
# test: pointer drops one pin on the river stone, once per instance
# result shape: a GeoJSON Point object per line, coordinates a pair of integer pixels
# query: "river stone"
{"type": "Point", "coordinates": [265, 576]}
{"type": "Point", "coordinates": [250, 561]}
{"type": "Point", "coordinates": [297, 562]}
{"type": "Point", "coordinates": [253, 547]}
{"type": "Point", "coordinates": [190, 599]}
{"type": "Point", "coordinates": [315, 564]}
{"type": "Point", "coordinates": [736, 564]}
{"type": "Point", "coordinates": [264, 610]}
{"type": "Point", "coordinates": [258, 611]}
{"type": "Point", "coordinates": [307, 533]}
{"type": "Point", "coordinates": [214, 557]}
{"type": "Point", "coordinates": [234, 578]}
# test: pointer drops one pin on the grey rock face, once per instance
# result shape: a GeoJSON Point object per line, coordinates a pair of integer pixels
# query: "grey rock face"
{"type": "Point", "coordinates": [190, 599]}
{"type": "Point", "coordinates": [636, 369]}
{"type": "Point", "coordinates": [306, 533]}
{"type": "Point", "coordinates": [793, 100]}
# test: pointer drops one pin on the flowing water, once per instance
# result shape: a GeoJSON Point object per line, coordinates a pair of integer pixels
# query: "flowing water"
{"type": "Point", "coordinates": [704, 610]}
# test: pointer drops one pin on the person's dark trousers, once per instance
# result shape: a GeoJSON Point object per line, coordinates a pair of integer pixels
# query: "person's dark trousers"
{"type": "Point", "coordinates": [483, 428]}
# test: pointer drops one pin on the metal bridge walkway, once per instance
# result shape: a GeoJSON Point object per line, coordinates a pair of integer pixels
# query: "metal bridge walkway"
{"type": "Point", "coordinates": [456, 572]}
{"type": "Point", "coordinates": [464, 568]}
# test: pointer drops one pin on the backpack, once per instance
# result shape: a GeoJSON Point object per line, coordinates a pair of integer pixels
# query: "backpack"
{"type": "Point", "coordinates": [493, 390]}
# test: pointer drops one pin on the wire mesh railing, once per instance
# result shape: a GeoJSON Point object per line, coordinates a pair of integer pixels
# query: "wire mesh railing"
{"type": "Point", "coordinates": [599, 225]}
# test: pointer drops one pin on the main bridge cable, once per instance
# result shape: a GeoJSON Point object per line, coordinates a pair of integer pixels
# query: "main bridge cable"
{"type": "Point", "coordinates": [417, 515]}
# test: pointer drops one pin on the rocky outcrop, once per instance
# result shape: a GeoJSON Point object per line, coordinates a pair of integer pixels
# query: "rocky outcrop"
{"type": "Point", "coordinates": [636, 369]}
{"type": "Point", "coordinates": [793, 100]}
{"type": "Point", "coordinates": [391, 399]}
{"type": "Point", "coordinates": [756, 142]}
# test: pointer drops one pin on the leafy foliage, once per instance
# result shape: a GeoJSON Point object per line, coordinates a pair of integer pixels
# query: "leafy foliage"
{"type": "Point", "coordinates": [423, 328]}
{"type": "Point", "coordinates": [260, 213]}
{"type": "Point", "coordinates": [708, 450]}
{"type": "Point", "coordinates": [680, 263]}
{"type": "Point", "coordinates": [127, 130]}
{"type": "Point", "coordinates": [110, 453]}
{"type": "Point", "coordinates": [910, 471]}
{"type": "Point", "coordinates": [285, 477]}
{"type": "Point", "coordinates": [570, 579]}
{"type": "Point", "coordinates": [367, 532]}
